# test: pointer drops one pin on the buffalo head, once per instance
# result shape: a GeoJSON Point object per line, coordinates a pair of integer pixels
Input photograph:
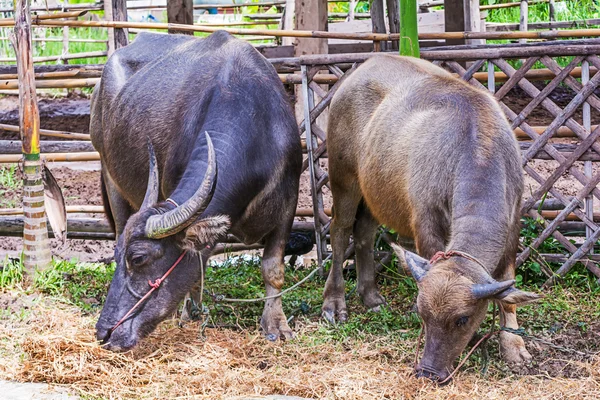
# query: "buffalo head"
{"type": "Point", "coordinates": [453, 302]}
{"type": "Point", "coordinates": [154, 238]}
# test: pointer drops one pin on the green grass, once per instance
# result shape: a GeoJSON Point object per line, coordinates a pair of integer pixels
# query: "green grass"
{"type": "Point", "coordinates": [572, 303]}
{"type": "Point", "coordinates": [82, 284]}
{"type": "Point", "coordinates": [8, 182]}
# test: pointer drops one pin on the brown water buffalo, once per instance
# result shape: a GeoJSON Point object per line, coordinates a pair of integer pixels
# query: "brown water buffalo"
{"type": "Point", "coordinates": [426, 154]}
{"type": "Point", "coordinates": [197, 139]}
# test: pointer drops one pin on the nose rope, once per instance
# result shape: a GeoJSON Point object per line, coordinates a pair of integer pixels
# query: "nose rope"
{"type": "Point", "coordinates": [153, 286]}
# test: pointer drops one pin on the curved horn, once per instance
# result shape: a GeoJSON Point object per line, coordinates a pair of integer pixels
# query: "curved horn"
{"type": "Point", "coordinates": [487, 290]}
{"type": "Point", "coordinates": [171, 222]}
{"type": "Point", "coordinates": [416, 265]}
{"type": "Point", "coordinates": [151, 196]}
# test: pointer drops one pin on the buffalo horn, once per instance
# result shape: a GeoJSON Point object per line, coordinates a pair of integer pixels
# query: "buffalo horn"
{"type": "Point", "coordinates": [151, 196]}
{"type": "Point", "coordinates": [487, 290]}
{"type": "Point", "coordinates": [171, 222]}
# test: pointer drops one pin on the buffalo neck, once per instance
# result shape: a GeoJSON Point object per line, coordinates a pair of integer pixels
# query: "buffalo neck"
{"type": "Point", "coordinates": [481, 214]}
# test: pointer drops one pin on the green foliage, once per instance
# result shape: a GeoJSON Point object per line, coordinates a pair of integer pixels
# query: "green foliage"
{"type": "Point", "coordinates": [83, 284]}
{"type": "Point", "coordinates": [11, 273]}
{"type": "Point", "coordinates": [8, 182]}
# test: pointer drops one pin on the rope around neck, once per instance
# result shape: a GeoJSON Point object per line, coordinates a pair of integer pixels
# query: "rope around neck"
{"type": "Point", "coordinates": [445, 255]}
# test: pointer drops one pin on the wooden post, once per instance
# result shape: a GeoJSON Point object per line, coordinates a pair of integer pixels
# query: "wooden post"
{"type": "Point", "coordinates": [36, 248]}
{"type": "Point", "coordinates": [180, 12]}
{"type": "Point", "coordinates": [459, 16]}
{"type": "Point", "coordinates": [288, 21]}
{"type": "Point", "coordinates": [65, 49]}
{"type": "Point", "coordinates": [351, 8]}
{"type": "Point", "coordinates": [409, 41]}
{"type": "Point", "coordinates": [378, 20]}
{"type": "Point", "coordinates": [116, 10]}
{"type": "Point", "coordinates": [523, 19]}
{"type": "Point", "coordinates": [551, 13]}
{"type": "Point", "coordinates": [310, 15]}
{"type": "Point", "coordinates": [393, 9]}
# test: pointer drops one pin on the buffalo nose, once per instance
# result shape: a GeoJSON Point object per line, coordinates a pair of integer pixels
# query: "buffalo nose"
{"type": "Point", "coordinates": [102, 335]}
{"type": "Point", "coordinates": [431, 375]}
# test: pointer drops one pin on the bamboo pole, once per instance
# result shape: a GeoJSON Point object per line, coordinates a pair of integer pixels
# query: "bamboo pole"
{"type": "Point", "coordinates": [42, 17]}
{"type": "Point", "coordinates": [36, 247]}
{"type": "Point", "coordinates": [49, 133]}
{"type": "Point", "coordinates": [509, 5]}
{"type": "Point", "coordinates": [409, 42]}
{"type": "Point", "coordinates": [80, 209]}
{"type": "Point", "coordinates": [330, 35]}
{"type": "Point", "coordinates": [91, 54]}
{"type": "Point", "coordinates": [53, 157]}
{"type": "Point", "coordinates": [53, 84]}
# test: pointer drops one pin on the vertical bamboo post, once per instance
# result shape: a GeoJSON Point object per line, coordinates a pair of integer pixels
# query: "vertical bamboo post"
{"type": "Point", "coordinates": [378, 20]}
{"type": "Point", "coordinates": [551, 13]}
{"type": "Point", "coordinates": [36, 248]}
{"type": "Point", "coordinates": [588, 165]}
{"type": "Point", "coordinates": [351, 7]}
{"type": "Point", "coordinates": [393, 10]}
{"type": "Point", "coordinates": [65, 50]}
{"type": "Point", "coordinates": [409, 42]}
{"type": "Point", "coordinates": [523, 19]}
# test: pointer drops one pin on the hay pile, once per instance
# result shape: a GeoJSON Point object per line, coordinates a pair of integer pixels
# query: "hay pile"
{"type": "Point", "coordinates": [54, 344]}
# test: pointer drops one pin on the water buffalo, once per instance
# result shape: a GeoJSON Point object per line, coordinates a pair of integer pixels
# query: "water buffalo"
{"type": "Point", "coordinates": [426, 154]}
{"type": "Point", "coordinates": [227, 159]}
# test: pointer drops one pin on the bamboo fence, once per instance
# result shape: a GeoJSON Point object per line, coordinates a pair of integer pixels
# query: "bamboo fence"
{"type": "Point", "coordinates": [572, 217]}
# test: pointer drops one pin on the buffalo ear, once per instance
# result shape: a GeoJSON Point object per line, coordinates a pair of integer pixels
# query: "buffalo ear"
{"type": "Point", "coordinates": [205, 232]}
{"type": "Point", "coordinates": [418, 266]}
{"type": "Point", "coordinates": [516, 296]}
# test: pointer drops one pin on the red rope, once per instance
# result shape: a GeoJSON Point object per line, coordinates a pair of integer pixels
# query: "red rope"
{"type": "Point", "coordinates": [153, 286]}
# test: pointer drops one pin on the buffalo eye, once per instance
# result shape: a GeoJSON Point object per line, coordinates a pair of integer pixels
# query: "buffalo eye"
{"type": "Point", "coordinates": [462, 321]}
{"type": "Point", "coordinates": [138, 260]}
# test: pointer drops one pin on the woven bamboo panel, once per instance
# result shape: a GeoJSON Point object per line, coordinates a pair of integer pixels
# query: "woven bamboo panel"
{"type": "Point", "coordinates": [560, 158]}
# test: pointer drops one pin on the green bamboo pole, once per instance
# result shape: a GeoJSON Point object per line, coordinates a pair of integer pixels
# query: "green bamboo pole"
{"type": "Point", "coordinates": [36, 248]}
{"type": "Point", "coordinates": [409, 39]}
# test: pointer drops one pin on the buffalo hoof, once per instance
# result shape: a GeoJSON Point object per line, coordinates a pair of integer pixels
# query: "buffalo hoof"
{"type": "Point", "coordinates": [371, 298]}
{"type": "Point", "coordinates": [513, 349]}
{"type": "Point", "coordinates": [334, 311]}
{"type": "Point", "coordinates": [276, 329]}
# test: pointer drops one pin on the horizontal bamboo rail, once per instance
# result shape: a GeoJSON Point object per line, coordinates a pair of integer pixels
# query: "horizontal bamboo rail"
{"type": "Point", "coordinates": [49, 133]}
{"type": "Point", "coordinates": [74, 73]}
{"type": "Point", "coordinates": [83, 209]}
{"type": "Point", "coordinates": [91, 54]}
{"type": "Point", "coordinates": [82, 6]}
{"type": "Point", "coordinates": [53, 157]}
{"type": "Point", "coordinates": [48, 146]}
{"type": "Point", "coordinates": [509, 5]}
{"type": "Point", "coordinates": [554, 34]}
{"type": "Point", "coordinates": [55, 39]}
{"type": "Point", "coordinates": [53, 84]}
{"type": "Point", "coordinates": [41, 17]}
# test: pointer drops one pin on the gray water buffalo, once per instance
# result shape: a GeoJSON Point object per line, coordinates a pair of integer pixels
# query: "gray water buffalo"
{"type": "Point", "coordinates": [414, 148]}
{"type": "Point", "coordinates": [197, 139]}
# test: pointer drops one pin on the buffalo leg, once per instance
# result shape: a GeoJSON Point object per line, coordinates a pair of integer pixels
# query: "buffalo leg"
{"type": "Point", "coordinates": [512, 346]}
{"type": "Point", "coordinates": [345, 205]}
{"type": "Point", "coordinates": [364, 232]}
{"type": "Point", "coordinates": [119, 207]}
{"type": "Point", "coordinates": [428, 238]}
{"type": "Point", "coordinates": [273, 321]}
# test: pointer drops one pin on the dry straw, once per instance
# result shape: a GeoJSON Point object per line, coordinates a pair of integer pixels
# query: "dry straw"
{"type": "Point", "coordinates": [55, 345]}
